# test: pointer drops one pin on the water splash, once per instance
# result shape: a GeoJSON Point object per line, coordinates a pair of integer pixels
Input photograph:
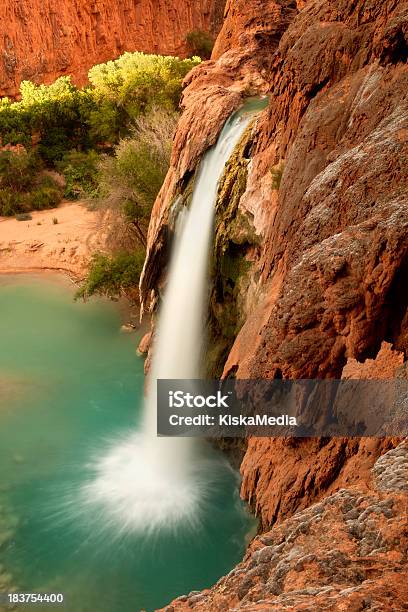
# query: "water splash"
{"type": "Point", "coordinates": [143, 482]}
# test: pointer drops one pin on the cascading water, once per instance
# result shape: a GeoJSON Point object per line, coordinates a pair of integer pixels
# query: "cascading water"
{"type": "Point", "coordinates": [145, 482]}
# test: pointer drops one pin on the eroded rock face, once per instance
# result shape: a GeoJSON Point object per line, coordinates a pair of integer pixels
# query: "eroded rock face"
{"type": "Point", "coordinates": [323, 225]}
{"type": "Point", "coordinates": [346, 552]}
{"type": "Point", "coordinates": [282, 476]}
{"type": "Point", "coordinates": [42, 40]}
{"type": "Point", "coordinates": [337, 125]}
{"type": "Point", "coordinates": [333, 270]}
{"type": "Point", "coordinates": [325, 194]}
{"type": "Point", "coordinates": [214, 89]}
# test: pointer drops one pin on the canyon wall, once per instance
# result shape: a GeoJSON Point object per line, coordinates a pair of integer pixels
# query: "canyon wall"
{"type": "Point", "coordinates": [310, 263]}
{"type": "Point", "coordinates": [347, 552]}
{"type": "Point", "coordinates": [43, 39]}
{"type": "Point", "coordinates": [315, 203]}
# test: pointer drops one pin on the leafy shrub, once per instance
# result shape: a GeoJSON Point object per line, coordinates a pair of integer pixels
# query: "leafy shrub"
{"type": "Point", "coordinates": [18, 169]}
{"type": "Point", "coordinates": [10, 202]}
{"type": "Point", "coordinates": [53, 145]}
{"type": "Point", "coordinates": [132, 178]}
{"type": "Point", "coordinates": [58, 114]}
{"type": "Point", "coordinates": [81, 174]}
{"type": "Point", "coordinates": [14, 123]}
{"type": "Point", "coordinates": [112, 275]}
{"type": "Point", "coordinates": [200, 43]}
{"type": "Point", "coordinates": [23, 217]}
{"type": "Point", "coordinates": [22, 187]}
{"type": "Point", "coordinates": [44, 196]}
{"type": "Point", "coordinates": [55, 116]}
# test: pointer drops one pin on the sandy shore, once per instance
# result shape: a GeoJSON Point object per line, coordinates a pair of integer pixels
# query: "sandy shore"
{"type": "Point", "coordinates": [41, 244]}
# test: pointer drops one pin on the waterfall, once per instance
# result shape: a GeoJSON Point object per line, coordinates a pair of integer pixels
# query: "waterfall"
{"type": "Point", "coordinates": [179, 339]}
{"type": "Point", "coordinates": [145, 482]}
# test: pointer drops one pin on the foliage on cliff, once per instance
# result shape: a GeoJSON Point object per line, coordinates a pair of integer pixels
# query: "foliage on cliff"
{"type": "Point", "coordinates": [234, 242]}
{"type": "Point", "coordinates": [112, 275]}
{"type": "Point", "coordinates": [133, 176]}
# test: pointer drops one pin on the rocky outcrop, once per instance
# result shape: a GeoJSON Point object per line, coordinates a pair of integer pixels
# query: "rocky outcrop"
{"type": "Point", "coordinates": [347, 552]}
{"type": "Point", "coordinates": [42, 40]}
{"type": "Point", "coordinates": [320, 216]}
{"type": "Point", "coordinates": [212, 90]}
{"type": "Point", "coordinates": [333, 268]}
{"type": "Point", "coordinates": [324, 200]}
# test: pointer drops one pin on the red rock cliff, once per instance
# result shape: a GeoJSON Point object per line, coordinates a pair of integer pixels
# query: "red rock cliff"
{"type": "Point", "coordinates": [321, 183]}
{"type": "Point", "coordinates": [344, 553]}
{"type": "Point", "coordinates": [325, 192]}
{"type": "Point", "coordinates": [43, 39]}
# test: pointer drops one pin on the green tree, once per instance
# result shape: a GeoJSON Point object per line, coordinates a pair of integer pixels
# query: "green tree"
{"type": "Point", "coordinates": [133, 176]}
{"type": "Point", "coordinates": [61, 117]}
{"type": "Point", "coordinates": [112, 275]}
{"type": "Point", "coordinates": [23, 187]}
{"type": "Point", "coordinates": [81, 173]}
{"type": "Point", "coordinates": [132, 85]}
